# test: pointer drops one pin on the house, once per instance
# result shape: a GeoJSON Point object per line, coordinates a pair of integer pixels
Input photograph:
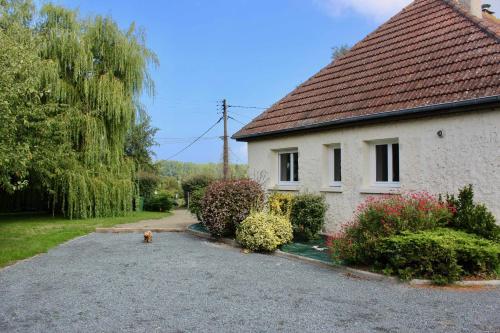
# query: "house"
{"type": "Point", "coordinates": [415, 106]}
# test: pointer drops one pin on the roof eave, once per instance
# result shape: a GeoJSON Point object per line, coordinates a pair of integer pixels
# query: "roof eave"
{"type": "Point", "coordinates": [418, 111]}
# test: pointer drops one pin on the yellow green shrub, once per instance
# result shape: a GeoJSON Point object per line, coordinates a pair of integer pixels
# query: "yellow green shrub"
{"type": "Point", "coordinates": [262, 231]}
{"type": "Point", "coordinates": [280, 203]}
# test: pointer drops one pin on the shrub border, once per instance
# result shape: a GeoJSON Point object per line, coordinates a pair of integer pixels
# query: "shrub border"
{"type": "Point", "coordinates": [359, 273]}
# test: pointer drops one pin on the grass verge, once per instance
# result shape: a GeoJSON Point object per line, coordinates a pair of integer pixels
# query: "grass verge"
{"type": "Point", "coordinates": [23, 236]}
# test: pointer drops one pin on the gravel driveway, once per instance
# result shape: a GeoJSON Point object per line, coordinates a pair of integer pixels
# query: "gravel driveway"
{"type": "Point", "coordinates": [115, 283]}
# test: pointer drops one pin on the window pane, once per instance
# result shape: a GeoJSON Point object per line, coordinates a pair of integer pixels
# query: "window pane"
{"type": "Point", "coordinates": [295, 167]}
{"type": "Point", "coordinates": [395, 162]}
{"type": "Point", "coordinates": [285, 167]}
{"type": "Point", "coordinates": [382, 165]}
{"type": "Point", "coordinates": [337, 173]}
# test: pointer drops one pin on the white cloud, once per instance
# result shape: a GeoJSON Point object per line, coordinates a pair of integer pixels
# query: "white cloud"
{"type": "Point", "coordinates": [378, 10]}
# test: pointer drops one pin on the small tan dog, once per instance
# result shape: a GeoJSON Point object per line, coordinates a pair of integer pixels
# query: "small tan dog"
{"type": "Point", "coordinates": [148, 237]}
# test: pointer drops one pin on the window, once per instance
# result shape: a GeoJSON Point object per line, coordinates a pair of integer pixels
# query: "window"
{"type": "Point", "coordinates": [335, 165]}
{"type": "Point", "coordinates": [386, 164]}
{"type": "Point", "coordinates": [289, 167]}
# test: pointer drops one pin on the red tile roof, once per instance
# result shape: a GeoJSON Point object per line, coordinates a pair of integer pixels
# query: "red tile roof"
{"type": "Point", "coordinates": [431, 53]}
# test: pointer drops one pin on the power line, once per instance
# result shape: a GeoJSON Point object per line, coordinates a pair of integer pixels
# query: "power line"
{"type": "Point", "coordinates": [194, 141]}
{"type": "Point", "coordinates": [242, 115]}
{"type": "Point", "coordinates": [236, 120]}
{"type": "Point", "coordinates": [236, 156]}
{"type": "Point", "coordinates": [246, 107]}
{"type": "Point", "coordinates": [183, 141]}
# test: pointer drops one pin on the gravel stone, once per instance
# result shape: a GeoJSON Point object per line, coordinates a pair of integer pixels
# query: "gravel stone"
{"type": "Point", "coordinates": [179, 283]}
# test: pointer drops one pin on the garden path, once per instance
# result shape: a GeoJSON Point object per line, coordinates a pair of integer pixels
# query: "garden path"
{"type": "Point", "coordinates": [177, 222]}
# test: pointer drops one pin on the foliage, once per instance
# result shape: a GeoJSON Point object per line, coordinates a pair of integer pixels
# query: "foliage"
{"type": "Point", "coordinates": [470, 217]}
{"type": "Point", "coordinates": [280, 203]}
{"type": "Point", "coordinates": [340, 51]}
{"type": "Point", "coordinates": [170, 185]}
{"type": "Point", "coordinates": [161, 202]}
{"type": "Point", "coordinates": [443, 255]}
{"type": "Point", "coordinates": [71, 94]}
{"type": "Point", "coordinates": [39, 233]}
{"type": "Point", "coordinates": [195, 200]}
{"type": "Point", "coordinates": [185, 170]}
{"type": "Point", "coordinates": [380, 217]}
{"type": "Point", "coordinates": [32, 137]}
{"type": "Point", "coordinates": [194, 183]}
{"type": "Point", "coordinates": [263, 231]}
{"type": "Point", "coordinates": [148, 182]}
{"type": "Point", "coordinates": [227, 203]}
{"type": "Point", "coordinates": [307, 216]}
{"type": "Point", "coordinates": [140, 140]}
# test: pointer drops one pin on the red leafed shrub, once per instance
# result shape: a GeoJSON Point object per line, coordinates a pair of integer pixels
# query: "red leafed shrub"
{"type": "Point", "coordinates": [385, 216]}
{"type": "Point", "coordinates": [227, 203]}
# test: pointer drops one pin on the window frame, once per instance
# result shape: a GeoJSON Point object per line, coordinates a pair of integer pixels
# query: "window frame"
{"type": "Point", "coordinates": [331, 165]}
{"type": "Point", "coordinates": [390, 172]}
{"type": "Point", "coordinates": [291, 152]}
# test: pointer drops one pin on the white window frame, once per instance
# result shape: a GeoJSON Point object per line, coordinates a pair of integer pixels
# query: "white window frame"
{"type": "Point", "coordinates": [292, 170]}
{"type": "Point", "coordinates": [331, 164]}
{"type": "Point", "coordinates": [373, 164]}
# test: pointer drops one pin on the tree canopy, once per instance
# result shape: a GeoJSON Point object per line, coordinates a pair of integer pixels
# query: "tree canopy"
{"type": "Point", "coordinates": [69, 95]}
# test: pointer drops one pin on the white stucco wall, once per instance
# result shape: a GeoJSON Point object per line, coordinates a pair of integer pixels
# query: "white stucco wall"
{"type": "Point", "coordinates": [468, 153]}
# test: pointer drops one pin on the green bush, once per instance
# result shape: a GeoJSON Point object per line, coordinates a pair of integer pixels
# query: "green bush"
{"type": "Point", "coordinates": [148, 182]}
{"type": "Point", "coordinates": [307, 216]}
{"type": "Point", "coordinates": [227, 203]}
{"type": "Point", "coordinates": [442, 255]}
{"type": "Point", "coordinates": [380, 217]}
{"type": "Point", "coordinates": [280, 203]}
{"type": "Point", "coordinates": [161, 202]}
{"type": "Point", "coordinates": [472, 218]}
{"type": "Point", "coordinates": [195, 202]}
{"type": "Point", "coordinates": [264, 232]}
{"type": "Point", "coordinates": [194, 183]}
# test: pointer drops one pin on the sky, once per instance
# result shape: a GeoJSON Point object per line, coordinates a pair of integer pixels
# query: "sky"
{"type": "Point", "coordinates": [250, 52]}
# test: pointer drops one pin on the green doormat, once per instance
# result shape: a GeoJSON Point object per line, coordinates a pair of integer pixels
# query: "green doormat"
{"type": "Point", "coordinates": [315, 249]}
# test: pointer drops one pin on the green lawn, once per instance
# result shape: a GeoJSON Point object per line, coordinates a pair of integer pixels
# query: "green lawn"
{"type": "Point", "coordinates": [23, 236]}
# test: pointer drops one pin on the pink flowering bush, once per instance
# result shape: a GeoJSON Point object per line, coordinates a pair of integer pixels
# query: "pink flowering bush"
{"type": "Point", "coordinates": [381, 217]}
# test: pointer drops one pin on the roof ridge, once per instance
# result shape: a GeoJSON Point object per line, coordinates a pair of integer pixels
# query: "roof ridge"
{"type": "Point", "coordinates": [479, 22]}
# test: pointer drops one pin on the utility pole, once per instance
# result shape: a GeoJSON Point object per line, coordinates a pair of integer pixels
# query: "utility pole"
{"type": "Point", "coordinates": [226, 143]}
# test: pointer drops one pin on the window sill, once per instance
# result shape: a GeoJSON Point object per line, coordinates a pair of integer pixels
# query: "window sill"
{"type": "Point", "coordinates": [292, 188]}
{"type": "Point", "coordinates": [380, 190]}
{"type": "Point", "coordinates": [332, 189]}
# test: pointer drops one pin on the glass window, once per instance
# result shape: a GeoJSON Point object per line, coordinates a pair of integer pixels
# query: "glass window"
{"type": "Point", "coordinates": [382, 171]}
{"type": "Point", "coordinates": [285, 167]}
{"type": "Point", "coordinates": [337, 165]}
{"type": "Point", "coordinates": [395, 162]}
{"type": "Point", "coordinates": [289, 167]}
{"type": "Point", "coordinates": [295, 158]}
{"type": "Point", "coordinates": [387, 163]}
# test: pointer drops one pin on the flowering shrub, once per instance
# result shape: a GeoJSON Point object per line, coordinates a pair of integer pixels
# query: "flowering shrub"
{"type": "Point", "coordinates": [227, 203]}
{"type": "Point", "coordinates": [262, 231]}
{"type": "Point", "coordinates": [385, 216]}
{"type": "Point", "coordinates": [280, 203]}
{"type": "Point", "coordinates": [307, 216]}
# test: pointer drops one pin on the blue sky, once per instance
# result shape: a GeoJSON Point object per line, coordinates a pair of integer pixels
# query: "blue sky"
{"type": "Point", "coordinates": [251, 52]}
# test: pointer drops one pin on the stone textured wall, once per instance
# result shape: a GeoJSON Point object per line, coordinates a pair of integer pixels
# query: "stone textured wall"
{"type": "Point", "coordinates": [468, 153]}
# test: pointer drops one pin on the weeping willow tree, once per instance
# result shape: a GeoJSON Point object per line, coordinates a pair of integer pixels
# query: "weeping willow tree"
{"type": "Point", "coordinates": [102, 71]}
